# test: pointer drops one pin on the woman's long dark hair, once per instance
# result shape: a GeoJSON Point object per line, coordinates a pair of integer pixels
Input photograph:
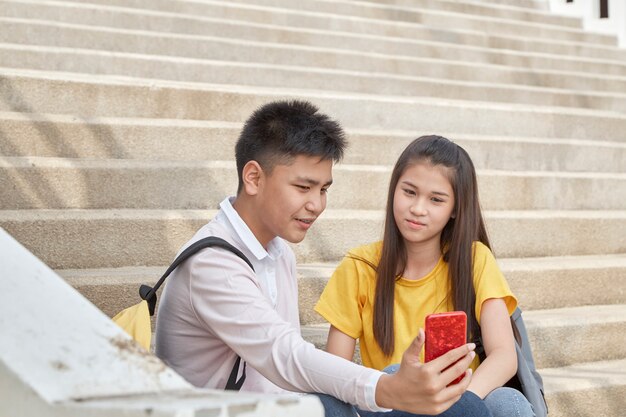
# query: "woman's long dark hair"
{"type": "Point", "coordinates": [457, 237]}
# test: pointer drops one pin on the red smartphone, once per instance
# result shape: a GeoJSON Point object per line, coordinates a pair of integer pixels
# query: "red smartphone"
{"type": "Point", "coordinates": [444, 332]}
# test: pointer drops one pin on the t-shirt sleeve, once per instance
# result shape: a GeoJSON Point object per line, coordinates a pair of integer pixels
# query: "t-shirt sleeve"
{"type": "Point", "coordinates": [341, 302]}
{"type": "Point", "coordinates": [489, 281]}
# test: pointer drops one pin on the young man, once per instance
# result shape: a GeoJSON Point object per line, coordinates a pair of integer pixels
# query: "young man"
{"type": "Point", "coordinates": [215, 308]}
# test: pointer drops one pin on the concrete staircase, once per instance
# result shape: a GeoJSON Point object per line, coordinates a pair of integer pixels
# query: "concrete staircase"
{"type": "Point", "coordinates": [118, 120]}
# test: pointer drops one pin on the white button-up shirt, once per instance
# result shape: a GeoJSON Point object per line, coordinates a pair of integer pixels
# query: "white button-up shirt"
{"type": "Point", "coordinates": [264, 262]}
{"type": "Point", "coordinates": [214, 307]}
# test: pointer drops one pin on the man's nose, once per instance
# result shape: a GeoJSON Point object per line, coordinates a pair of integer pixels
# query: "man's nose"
{"type": "Point", "coordinates": [316, 203]}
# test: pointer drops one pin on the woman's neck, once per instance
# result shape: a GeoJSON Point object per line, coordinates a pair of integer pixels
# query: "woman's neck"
{"type": "Point", "coordinates": [421, 259]}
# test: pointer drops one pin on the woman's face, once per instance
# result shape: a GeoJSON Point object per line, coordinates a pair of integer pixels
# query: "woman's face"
{"type": "Point", "coordinates": [423, 203]}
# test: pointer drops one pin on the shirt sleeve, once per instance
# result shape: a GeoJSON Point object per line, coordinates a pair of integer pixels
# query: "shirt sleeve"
{"type": "Point", "coordinates": [232, 307]}
{"type": "Point", "coordinates": [340, 303]}
{"type": "Point", "coordinates": [489, 281]}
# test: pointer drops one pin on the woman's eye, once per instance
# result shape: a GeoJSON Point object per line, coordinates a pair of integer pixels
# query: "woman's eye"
{"type": "Point", "coordinates": [437, 200]}
{"type": "Point", "coordinates": [409, 192]}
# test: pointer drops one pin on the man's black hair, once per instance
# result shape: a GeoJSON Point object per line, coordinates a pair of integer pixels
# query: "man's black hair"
{"type": "Point", "coordinates": [279, 131]}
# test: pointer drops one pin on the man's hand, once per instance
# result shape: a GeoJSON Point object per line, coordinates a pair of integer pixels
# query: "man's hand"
{"type": "Point", "coordinates": [423, 388]}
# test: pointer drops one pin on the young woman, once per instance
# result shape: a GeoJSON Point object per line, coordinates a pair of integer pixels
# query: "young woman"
{"type": "Point", "coordinates": [434, 257]}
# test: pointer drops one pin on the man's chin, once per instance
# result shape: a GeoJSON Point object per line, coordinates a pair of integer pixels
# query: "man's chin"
{"type": "Point", "coordinates": [294, 238]}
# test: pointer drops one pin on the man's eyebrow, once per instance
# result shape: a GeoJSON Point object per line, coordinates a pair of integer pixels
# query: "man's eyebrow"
{"type": "Point", "coordinates": [311, 181]}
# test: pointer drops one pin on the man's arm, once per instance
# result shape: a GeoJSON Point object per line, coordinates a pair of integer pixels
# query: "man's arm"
{"type": "Point", "coordinates": [227, 300]}
{"type": "Point", "coordinates": [233, 308]}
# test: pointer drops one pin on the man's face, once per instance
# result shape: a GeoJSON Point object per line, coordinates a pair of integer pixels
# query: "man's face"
{"type": "Point", "coordinates": [291, 197]}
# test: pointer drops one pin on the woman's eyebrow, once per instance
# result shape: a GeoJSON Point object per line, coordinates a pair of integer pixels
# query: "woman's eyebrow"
{"type": "Point", "coordinates": [410, 184]}
{"type": "Point", "coordinates": [440, 193]}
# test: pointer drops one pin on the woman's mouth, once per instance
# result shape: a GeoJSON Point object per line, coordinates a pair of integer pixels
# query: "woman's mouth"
{"type": "Point", "coordinates": [415, 225]}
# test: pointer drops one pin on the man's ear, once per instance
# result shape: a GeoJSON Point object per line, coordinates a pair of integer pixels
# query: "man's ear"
{"type": "Point", "coordinates": [251, 176]}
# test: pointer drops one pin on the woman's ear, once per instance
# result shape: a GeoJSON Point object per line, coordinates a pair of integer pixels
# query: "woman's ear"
{"type": "Point", "coordinates": [251, 176]}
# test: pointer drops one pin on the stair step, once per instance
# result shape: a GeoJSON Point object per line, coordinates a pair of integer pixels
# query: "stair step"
{"type": "Point", "coordinates": [57, 183]}
{"type": "Point", "coordinates": [204, 71]}
{"type": "Point", "coordinates": [514, 4]}
{"type": "Point", "coordinates": [30, 91]}
{"type": "Point", "coordinates": [138, 19]}
{"type": "Point", "coordinates": [358, 20]}
{"type": "Point", "coordinates": [586, 389]}
{"type": "Point", "coordinates": [562, 337]}
{"type": "Point", "coordinates": [128, 237]}
{"type": "Point", "coordinates": [406, 65]}
{"type": "Point", "coordinates": [501, 152]}
{"type": "Point", "coordinates": [550, 330]}
{"type": "Point", "coordinates": [66, 136]}
{"type": "Point", "coordinates": [69, 136]}
{"type": "Point", "coordinates": [536, 7]}
{"type": "Point", "coordinates": [141, 19]}
{"type": "Point", "coordinates": [580, 390]}
{"type": "Point", "coordinates": [391, 10]}
{"type": "Point", "coordinates": [413, 11]}
{"type": "Point", "coordinates": [375, 55]}
{"type": "Point", "coordinates": [532, 280]}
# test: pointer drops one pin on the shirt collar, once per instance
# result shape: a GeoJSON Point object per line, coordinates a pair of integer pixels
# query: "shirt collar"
{"type": "Point", "coordinates": [245, 234]}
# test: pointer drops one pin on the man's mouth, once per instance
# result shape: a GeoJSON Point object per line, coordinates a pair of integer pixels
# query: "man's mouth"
{"type": "Point", "coordinates": [306, 221]}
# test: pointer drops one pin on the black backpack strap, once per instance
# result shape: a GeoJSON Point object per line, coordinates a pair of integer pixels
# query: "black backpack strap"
{"type": "Point", "coordinates": [480, 347]}
{"type": "Point", "coordinates": [149, 293]}
{"type": "Point", "coordinates": [232, 383]}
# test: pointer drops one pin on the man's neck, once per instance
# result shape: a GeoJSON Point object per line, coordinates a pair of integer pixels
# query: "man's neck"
{"type": "Point", "coordinates": [248, 214]}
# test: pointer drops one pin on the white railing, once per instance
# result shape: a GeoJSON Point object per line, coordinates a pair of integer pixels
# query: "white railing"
{"type": "Point", "coordinates": [601, 16]}
{"type": "Point", "coordinates": [61, 356]}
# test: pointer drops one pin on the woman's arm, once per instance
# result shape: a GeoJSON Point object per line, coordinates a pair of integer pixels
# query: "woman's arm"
{"type": "Point", "coordinates": [501, 362]}
{"type": "Point", "coordinates": [340, 344]}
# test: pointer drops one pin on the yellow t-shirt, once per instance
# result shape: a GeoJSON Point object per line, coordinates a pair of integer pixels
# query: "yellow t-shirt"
{"type": "Point", "coordinates": [348, 299]}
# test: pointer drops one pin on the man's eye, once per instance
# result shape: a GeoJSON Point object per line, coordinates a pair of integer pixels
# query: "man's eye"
{"type": "Point", "coordinates": [324, 190]}
{"type": "Point", "coordinates": [303, 187]}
